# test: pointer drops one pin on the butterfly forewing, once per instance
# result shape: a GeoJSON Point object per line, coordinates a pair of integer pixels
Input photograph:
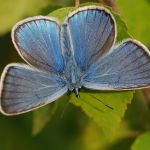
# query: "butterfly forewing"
{"type": "Point", "coordinates": [37, 40]}
{"type": "Point", "coordinates": [92, 33]}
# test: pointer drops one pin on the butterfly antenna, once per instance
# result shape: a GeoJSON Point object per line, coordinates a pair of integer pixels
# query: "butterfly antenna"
{"type": "Point", "coordinates": [91, 105]}
{"type": "Point", "coordinates": [101, 101]}
{"type": "Point", "coordinates": [77, 3]}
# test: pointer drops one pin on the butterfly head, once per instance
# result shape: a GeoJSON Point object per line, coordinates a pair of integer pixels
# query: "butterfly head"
{"type": "Point", "coordinates": [75, 88]}
{"type": "Point", "coordinates": [76, 91]}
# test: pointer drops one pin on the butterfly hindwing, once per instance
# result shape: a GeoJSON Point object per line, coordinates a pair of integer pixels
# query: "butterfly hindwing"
{"type": "Point", "coordinates": [126, 67]}
{"type": "Point", "coordinates": [24, 88]}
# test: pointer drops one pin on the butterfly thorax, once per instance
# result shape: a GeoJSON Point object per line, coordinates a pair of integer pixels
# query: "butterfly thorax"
{"type": "Point", "coordinates": [73, 77]}
{"type": "Point", "coordinates": [72, 73]}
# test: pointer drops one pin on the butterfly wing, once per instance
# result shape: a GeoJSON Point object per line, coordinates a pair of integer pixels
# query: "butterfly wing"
{"type": "Point", "coordinates": [24, 89]}
{"type": "Point", "coordinates": [92, 31]}
{"type": "Point", "coordinates": [37, 40]}
{"type": "Point", "coordinates": [126, 67]}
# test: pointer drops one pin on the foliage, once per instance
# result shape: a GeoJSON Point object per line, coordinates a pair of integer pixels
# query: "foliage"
{"type": "Point", "coordinates": [18, 9]}
{"type": "Point", "coordinates": [136, 15]}
{"type": "Point", "coordinates": [41, 117]}
{"type": "Point", "coordinates": [107, 119]}
{"type": "Point", "coordinates": [142, 142]}
{"type": "Point", "coordinates": [60, 125]}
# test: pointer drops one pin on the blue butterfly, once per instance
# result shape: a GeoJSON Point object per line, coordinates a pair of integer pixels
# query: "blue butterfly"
{"type": "Point", "coordinates": [78, 53]}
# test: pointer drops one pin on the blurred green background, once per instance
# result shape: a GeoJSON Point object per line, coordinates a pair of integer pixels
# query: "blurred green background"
{"type": "Point", "coordinates": [74, 130]}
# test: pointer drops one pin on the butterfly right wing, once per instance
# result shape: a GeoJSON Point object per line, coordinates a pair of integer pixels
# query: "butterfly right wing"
{"type": "Point", "coordinates": [92, 32]}
{"type": "Point", "coordinates": [24, 89]}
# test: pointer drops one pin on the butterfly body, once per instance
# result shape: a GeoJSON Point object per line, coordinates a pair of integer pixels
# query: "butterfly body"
{"type": "Point", "coordinates": [72, 76]}
{"type": "Point", "coordinates": [72, 73]}
{"type": "Point", "coordinates": [77, 53]}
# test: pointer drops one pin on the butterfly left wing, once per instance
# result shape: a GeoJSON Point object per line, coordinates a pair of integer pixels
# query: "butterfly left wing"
{"type": "Point", "coordinates": [37, 40]}
{"type": "Point", "coordinates": [24, 89]}
{"type": "Point", "coordinates": [125, 67]}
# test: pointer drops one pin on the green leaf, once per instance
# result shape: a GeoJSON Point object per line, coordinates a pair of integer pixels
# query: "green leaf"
{"type": "Point", "coordinates": [42, 116]}
{"type": "Point", "coordinates": [138, 112]}
{"type": "Point", "coordinates": [61, 13]}
{"type": "Point", "coordinates": [106, 118]}
{"type": "Point", "coordinates": [12, 11]}
{"type": "Point", "coordinates": [142, 142]}
{"type": "Point", "coordinates": [136, 15]}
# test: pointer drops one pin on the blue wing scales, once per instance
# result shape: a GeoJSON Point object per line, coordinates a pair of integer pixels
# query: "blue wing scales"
{"type": "Point", "coordinates": [25, 88]}
{"type": "Point", "coordinates": [125, 67]}
{"type": "Point", "coordinates": [92, 31]}
{"type": "Point", "coordinates": [37, 40]}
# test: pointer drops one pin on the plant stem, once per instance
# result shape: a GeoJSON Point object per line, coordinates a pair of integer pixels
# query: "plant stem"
{"type": "Point", "coordinates": [77, 3]}
{"type": "Point", "coordinates": [146, 93]}
{"type": "Point", "coordinates": [110, 3]}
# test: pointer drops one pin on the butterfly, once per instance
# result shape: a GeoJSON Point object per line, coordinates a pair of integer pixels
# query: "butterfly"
{"type": "Point", "coordinates": [80, 52]}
